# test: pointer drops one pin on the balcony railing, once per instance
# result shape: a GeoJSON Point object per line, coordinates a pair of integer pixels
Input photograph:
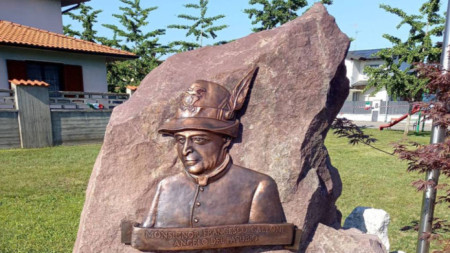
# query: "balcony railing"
{"type": "Point", "coordinates": [6, 99]}
{"type": "Point", "coordinates": [85, 100]}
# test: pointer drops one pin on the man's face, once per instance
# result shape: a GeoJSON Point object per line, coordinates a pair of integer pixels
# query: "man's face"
{"type": "Point", "coordinates": [200, 151]}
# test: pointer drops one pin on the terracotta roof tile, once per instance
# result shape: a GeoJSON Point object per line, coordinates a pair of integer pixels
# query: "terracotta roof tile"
{"type": "Point", "coordinates": [29, 82]}
{"type": "Point", "coordinates": [132, 87]}
{"type": "Point", "coordinates": [21, 35]}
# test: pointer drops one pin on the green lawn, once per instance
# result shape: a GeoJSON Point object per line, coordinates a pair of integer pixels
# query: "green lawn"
{"type": "Point", "coordinates": [41, 197]}
{"type": "Point", "coordinates": [374, 179]}
{"type": "Point", "coordinates": [42, 191]}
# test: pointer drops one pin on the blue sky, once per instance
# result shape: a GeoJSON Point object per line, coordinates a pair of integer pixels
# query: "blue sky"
{"type": "Point", "coordinates": [359, 19]}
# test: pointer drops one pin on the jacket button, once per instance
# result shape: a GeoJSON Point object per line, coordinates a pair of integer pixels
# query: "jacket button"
{"type": "Point", "coordinates": [197, 204]}
{"type": "Point", "coordinates": [202, 189]}
{"type": "Point", "coordinates": [196, 220]}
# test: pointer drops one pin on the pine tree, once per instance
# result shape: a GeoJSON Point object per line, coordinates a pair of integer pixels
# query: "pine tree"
{"type": "Point", "coordinates": [397, 74]}
{"type": "Point", "coordinates": [275, 12]}
{"type": "Point", "coordinates": [87, 17]}
{"type": "Point", "coordinates": [202, 27]}
{"type": "Point", "coordinates": [132, 38]}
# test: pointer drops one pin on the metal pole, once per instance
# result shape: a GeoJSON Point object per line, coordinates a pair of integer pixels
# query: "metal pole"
{"type": "Point", "coordinates": [429, 197]}
{"type": "Point", "coordinates": [445, 54]}
{"type": "Point", "coordinates": [437, 136]}
{"type": "Point", "coordinates": [418, 122]}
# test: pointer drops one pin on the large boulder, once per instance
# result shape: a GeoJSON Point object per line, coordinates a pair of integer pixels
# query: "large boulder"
{"type": "Point", "coordinates": [298, 91]}
{"type": "Point", "coordinates": [370, 221]}
{"type": "Point", "coordinates": [327, 239]}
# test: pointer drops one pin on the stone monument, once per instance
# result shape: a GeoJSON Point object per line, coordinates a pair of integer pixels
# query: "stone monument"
{"type": "Point", "coordinates": [299, 88]}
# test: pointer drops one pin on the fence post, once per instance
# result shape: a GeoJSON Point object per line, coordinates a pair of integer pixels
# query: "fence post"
{"type": "Point", "coordinates": [32, 102]}
{"type": "Point", "coordinates": [386, 112]}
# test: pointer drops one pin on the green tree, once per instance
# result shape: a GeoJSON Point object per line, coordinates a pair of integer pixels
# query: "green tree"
{"type": "Point", "coordinates": [132, 37]}
{"type": "Point", "coordinates": [202, 27]}
{"type": "Point", "coordinates": [275, 12]}
{"type": "Point", "coordinates": [398, 74]}
{"type": "Point", "coordinates": [87, 17]}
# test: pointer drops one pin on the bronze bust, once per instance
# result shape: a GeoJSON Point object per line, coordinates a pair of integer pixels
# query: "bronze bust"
{"type": "Point", "coordinates": [212, 190]}
{"type": "Point", "coordinates": [242, 206]}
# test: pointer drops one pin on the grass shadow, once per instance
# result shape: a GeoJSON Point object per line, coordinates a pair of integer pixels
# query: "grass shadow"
{"type": "Point", "coordinates": [413, 225]}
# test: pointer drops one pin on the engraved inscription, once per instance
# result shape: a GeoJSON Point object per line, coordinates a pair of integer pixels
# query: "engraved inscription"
{"type": "Point", "coordinates": [208, 232]}
{"type": "Point", "coordinates": [215, 237]}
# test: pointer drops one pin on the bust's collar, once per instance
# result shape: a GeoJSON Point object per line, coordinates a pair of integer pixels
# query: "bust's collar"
{"type": "Point", "coordinates": [217, 173]}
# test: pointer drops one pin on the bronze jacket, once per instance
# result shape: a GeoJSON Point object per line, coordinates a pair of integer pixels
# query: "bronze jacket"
{"type": "Point", "coordinates": [235, 196]}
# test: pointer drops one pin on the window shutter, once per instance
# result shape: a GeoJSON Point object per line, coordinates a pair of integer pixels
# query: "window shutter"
{"type": "Point", "coordinates": [16, 69]}
{"type": "Point", "coordinates": [73, 78]}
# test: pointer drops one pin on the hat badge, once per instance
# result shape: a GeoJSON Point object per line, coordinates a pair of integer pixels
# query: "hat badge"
{"type": "Point", "coordinates": [191, 96]}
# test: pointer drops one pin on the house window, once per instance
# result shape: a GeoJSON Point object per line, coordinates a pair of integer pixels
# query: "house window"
{"type": "Point", "coordinates": [61, 77]}
{"type": "Point", "coordinates": [355, 96]}
{"type": "Point", "coordinates": [47, 72]}
{"type": "Point", "coordinates": [370, 65]}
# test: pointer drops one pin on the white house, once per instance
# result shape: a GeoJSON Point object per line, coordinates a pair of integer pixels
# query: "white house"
{"type": "Point", "coordinates": [363, 105]}
{"type": "Point", "coordinates": [355, 62]}
{"type": "Point", "coordinates": [32, 47]}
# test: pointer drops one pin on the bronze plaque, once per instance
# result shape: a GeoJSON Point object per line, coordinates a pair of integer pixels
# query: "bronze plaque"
{"type": "Point", "coordinates": [212, 203]}
{"type": "Point", "coordinates": [229, 236]}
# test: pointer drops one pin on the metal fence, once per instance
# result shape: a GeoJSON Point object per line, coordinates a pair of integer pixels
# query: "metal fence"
{"type": "Point", "coordinates": [365, 107]}
{"type": "Point", "coordinates": [356, 107]}
{"type": "Point", "coordinates": [395, 107]}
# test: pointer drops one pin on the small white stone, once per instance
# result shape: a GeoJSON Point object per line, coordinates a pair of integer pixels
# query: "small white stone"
{"type": "Point", "coordinates": [370, 221]}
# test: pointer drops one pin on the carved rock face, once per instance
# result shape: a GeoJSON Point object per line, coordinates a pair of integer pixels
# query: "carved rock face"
{"type": "Point", "coordinates": [299, 89]}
